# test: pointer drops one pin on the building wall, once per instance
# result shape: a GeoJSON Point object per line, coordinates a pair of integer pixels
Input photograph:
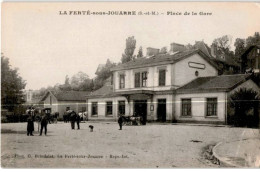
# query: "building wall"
{"type": "Point", "coordinates": [198, 106]}
{"type": "Point", "coordinates": [152, 78]}
{"type": "Point", "coordinates": [169, 108]}
{"type": "Point", "coordinates": [102, 107]}
{"type": "Point", "coordinates": [129, 107]}
{"type": "Point", "coordinates": [74, 105]}
{"type": "Point", "coordinates": [177, 74]}
{"type": "Point", "coordinates": [183, 73]}
{"type": "Point", "coordinates": [53, 104]}
{"type": "Point", "coordinates": [60, 106]}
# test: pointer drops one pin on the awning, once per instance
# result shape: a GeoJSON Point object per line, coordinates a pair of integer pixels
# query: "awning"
{"type": "Point", "coordinates": [136, 94]}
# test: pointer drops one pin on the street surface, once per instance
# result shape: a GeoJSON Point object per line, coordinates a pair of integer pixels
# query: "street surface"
{"type": "Point", "coordinates": [150, 146]}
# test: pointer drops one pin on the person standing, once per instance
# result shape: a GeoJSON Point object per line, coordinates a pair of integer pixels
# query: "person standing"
{"type": "Point", "coordinates": [30, 125]}
{"type": "Point", "coordinates": [44, 123]}
{"type": "Point", "coordinates": [78, 119]}
{"type": "Point", "coordinates": [120, 122]}
{"type": "Point", "coordinates": [72, 120]}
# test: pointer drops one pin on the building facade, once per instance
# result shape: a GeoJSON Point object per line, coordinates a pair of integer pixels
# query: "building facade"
{"type": "Point", "coordinates": [65, 100]}
{"type": "Point", "coordinates": [158, 89]}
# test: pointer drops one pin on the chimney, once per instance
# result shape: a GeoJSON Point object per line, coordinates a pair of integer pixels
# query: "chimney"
{"type": "Point", "coordinates": [177, 47]}
{"type": "Point", "coordinates": [213, 50]}
{"type": "Point", "coordinates": [152, 51]}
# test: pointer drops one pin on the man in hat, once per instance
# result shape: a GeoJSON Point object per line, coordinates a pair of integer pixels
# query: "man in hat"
{"type": "Point", "coordinates": [78, 120]}
{"type": "Point", "coordinates": [72, 119]}
{"type": "Point", "coordinates": [44, 123]}
{"type": "Point", "coordinates": [30, 125]}
{"type": "Point", "coordinates": [120, 122]}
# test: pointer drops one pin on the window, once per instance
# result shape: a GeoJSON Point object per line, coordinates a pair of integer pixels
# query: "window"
{"type": "Point", "coordinates": [162, 77]}
{"type": "Point", "coordinates": [186, 107]}
{"type": "Point", "coordinates": [121, 81]}
{"type": "Point", "coordinates": [140, 79]}
{"type": "Point", "coordinates": [211, 107]}
{"type": "Point", "coordinates": [121, 107]}
{"type": "Point", "coordinates": [94, 108]}
{"type": "Point", "coordinates": [137, 79]}
{"type": "Point", "coordinates": [109, 109]}
{"type": "Point", "coordinates": [144, 79]}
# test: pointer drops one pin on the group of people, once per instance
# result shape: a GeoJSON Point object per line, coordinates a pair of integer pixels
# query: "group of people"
{"type": "Point", "coordinates": [43, 120]}
{"type": "Point", "coordinates": [74, 117]}
{"type": "Point", "coordinates": [30, 124]}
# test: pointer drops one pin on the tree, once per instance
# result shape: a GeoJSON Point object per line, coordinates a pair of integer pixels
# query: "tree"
{"type": "Point", "coordinates": [222, 47]}
{"type": "Point", "coordinates": [129, 50]}
{"type": "Point", "coordinates": [81, 82]}
{"type": "Point", "coordinates": [11, 86]}
{"type": "Point", "coordinates": [103, 74]}
{"type": "Point", "coordinates": [66, 86]}
{"type": "Point", "coordinates": [239, 48]}
{"type": "Point", "coordinates": [140, 52]}
{"type": "Point", "coordinates": [223, 44]}
{"type": "Point", "coordinates": [253, 40]}
{"type": "Point", "coordinates": [245, 103]}
{"type": "Point", "coordinates": [163, 50]}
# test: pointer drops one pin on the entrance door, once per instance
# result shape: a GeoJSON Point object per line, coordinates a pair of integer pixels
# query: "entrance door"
{"type": "Point", "coordinates": [140, 109]}
{"type": "Point", "coordinates": [161, 110]}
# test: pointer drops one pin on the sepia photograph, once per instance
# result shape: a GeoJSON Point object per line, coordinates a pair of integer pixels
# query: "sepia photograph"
{"type": "Point", "coordinates": [130, 85]}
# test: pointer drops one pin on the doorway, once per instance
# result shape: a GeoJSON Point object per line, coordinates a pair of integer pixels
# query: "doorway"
{"type": "Point", "coordinates": [161, 110]}
{"type": "Point", "coordinates": [140, 109]}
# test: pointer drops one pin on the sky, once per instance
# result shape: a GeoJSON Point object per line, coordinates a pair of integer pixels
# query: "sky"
{"type": "Point", "coordinates": [47, 46]}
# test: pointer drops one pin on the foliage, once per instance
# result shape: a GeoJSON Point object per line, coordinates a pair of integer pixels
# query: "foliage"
{"type": "Point", "coordinates": [245, 103]}
{"type": "Point", "coordinates": [80, 82]}
{"type": "Point", "coordinates": [103, 74]}
{"type": "Point", "coordinates": [163, 50]}
{"type": "Point", "coordinates": [11, 86]}
{"type": "Point", "coordinates": [239, 48]}
{"type": "Point", "coordinates": [253, 40]}
{"type": "Point", "coordinates": [129, 50]}
{"type": "Point", "coordinates": [222, 45]}
{"type": "Point", "coordinates": [241, 45]}
{"type": "Point", "coordinates": [140, 52]}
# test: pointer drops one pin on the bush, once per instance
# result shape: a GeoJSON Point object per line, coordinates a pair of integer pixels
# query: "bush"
{"type": "Point", "coordinates": [3, 119]}
{"type": "Point", "coordinates": [245, 103]}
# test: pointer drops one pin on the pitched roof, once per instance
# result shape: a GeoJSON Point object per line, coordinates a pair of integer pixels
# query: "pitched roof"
{"type": "Point", "coordinates": [161, 59]}
{"type": "Point", "coordinates": [207, 50]}
{"type": "Point", "coordinates": [216, 83]}
{"type": "Point", "coordinates": [250, 48]}
{"type": "Point", "coordinates": [105, 91]}
{"type": "Point", "coordinates": [68, 95]}
{"type": "Point", "coordinates": [203, 47]}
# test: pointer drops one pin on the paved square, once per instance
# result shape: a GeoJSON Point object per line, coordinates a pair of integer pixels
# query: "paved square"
{"type": "Point", "coordinates": [153, 145]}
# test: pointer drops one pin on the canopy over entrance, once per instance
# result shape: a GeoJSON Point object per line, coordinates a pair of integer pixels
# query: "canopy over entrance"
{"type": "Point", "coordinates": [136, 94]}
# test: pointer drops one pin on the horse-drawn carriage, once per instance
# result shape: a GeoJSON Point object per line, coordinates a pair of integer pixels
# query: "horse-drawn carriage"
{"type": "Point", "coordinates": [132, 120]}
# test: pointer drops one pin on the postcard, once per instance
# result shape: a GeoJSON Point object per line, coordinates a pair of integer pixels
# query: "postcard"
{"type": "Point", "coordinates": [130, 85]}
